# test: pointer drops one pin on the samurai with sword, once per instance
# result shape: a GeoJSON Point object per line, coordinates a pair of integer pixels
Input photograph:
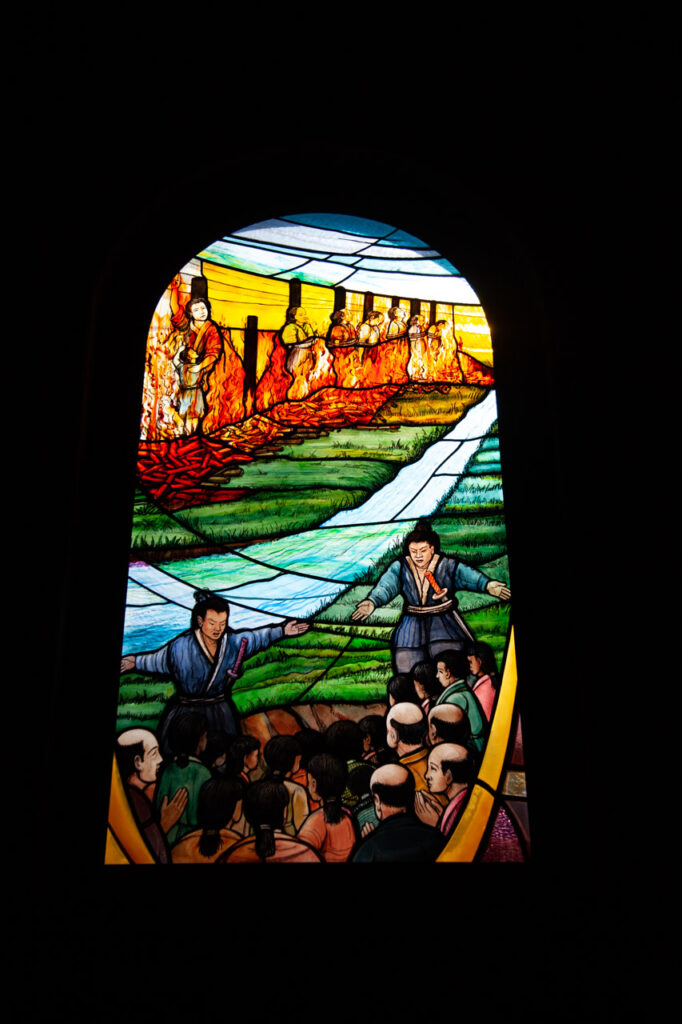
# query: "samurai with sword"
{"type": "Point", "coordinates": [428, 582]}
{"type": "Point", "coordinates": [204, 662]}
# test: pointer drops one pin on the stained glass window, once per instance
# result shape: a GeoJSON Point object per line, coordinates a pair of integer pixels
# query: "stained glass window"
{"type": "Point", "coordinates": [318, 659]}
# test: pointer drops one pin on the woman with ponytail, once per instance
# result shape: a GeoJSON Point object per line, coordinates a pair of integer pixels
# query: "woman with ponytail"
{"type": "Point", "coordinates": [283, 757]}
{"type": "Point", "coordinates": [265, 803]}
{"type": "Point", "coordinates": [330, 830]}
{"type": "Point", "coordinates": [219, 809]}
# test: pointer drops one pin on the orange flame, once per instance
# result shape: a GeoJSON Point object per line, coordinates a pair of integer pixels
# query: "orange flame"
{"type": "Point", "coordinates": [314, 371]}
{"type": "Point", "coordinates": [433, 358]}
{"type": "Point", "coordinates": [273, 385]}
{"type": "Point", "coordinates": [225, 395]}
{"type": "Point", "coordinates": [160, 384]}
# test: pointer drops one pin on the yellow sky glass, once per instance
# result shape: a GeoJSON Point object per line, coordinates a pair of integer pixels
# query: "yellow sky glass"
{"type": "Point", "coordinates": [235, 295]}
{"type": "Point", "coordinates": [382, 303]}
{"type": "Point", "coordinates": [472, 327]}
{"type": "Point", "coordinates": [354, 306]}
{"type": "Point", "coordinates": [319, 304]}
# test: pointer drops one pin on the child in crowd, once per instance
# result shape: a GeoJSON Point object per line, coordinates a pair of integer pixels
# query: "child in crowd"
{"type": "Point", "coordinates": [283, 757]}
{"type": "Point", "coordinates": [330, 830]}
{"type": "Point", "coordinates": [219, 808]}
{"type": "Point", "coordinates": [265, 805]}
{"type": "Point", "coordinates": [426, 684]}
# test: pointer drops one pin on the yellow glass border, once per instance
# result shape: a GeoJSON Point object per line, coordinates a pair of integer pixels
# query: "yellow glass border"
{"type": "Point", "coordinates": [466, 839]}
{"type": "Point", "coordinates": [124, 844]}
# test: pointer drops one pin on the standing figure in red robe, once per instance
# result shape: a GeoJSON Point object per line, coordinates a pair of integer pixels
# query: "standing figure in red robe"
{"type": "Point", "coordinates": [201, 345]}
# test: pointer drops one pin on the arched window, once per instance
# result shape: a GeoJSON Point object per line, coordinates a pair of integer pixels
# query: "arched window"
{"type": "Point", "coordinates": [319, 537]}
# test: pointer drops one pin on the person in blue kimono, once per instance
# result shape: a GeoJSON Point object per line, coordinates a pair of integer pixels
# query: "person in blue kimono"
{"type": "Point", "coordinates": [204, 662]}
{"type": "Point", "coordinates": [428, 582]}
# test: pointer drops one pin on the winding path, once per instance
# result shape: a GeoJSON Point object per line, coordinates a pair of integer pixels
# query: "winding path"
{"type": "Point", "coordinates": [297, 576]}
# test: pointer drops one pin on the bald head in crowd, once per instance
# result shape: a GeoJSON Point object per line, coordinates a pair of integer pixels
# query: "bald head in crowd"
{"type": "Point", "coordinates": [405, 728]}
{"type": "Point", "coordinates": [138, 756]}
{"type": "Point", "coordinates": [392, 787]}
{"type": "Point", "coordinates": [450, 769]}
{"type": "Point", "coordinates": [448, 723]}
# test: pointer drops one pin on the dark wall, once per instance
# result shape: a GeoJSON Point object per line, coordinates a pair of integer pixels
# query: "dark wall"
{"type": "Point", "coordinates": [531, 210]}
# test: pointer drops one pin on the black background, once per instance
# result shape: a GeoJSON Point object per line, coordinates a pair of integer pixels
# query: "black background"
{"type": "Point", "coordinates": [536, 180]}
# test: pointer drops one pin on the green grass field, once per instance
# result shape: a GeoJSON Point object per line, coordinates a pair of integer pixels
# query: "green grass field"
{"type": "Point", "coordinates": [292, 492]}
{"type": "Point", "coordinates": [266, 514]}
{"type": "Point", "coordinates": [399, 443]}
{"type": "Point", "coordinates": [307, 474]}
{"type": "Point", "coordinates": [339, 660]}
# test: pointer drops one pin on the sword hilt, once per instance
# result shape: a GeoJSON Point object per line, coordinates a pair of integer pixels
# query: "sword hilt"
{"type": "Point", "coordinates": [234, 671]}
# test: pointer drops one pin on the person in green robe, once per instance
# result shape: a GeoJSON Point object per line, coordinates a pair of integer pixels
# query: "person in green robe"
{"type": "Point", "coordinates": [187, 738]}
{"type": "Point", "coordinates": [456, 691]}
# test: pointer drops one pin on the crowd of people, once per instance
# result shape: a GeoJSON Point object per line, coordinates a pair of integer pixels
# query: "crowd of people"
{"type": "Point", "coordinates": [386, 788]}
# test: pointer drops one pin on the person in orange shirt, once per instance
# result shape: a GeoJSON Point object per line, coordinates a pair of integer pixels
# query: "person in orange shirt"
{"type": "Point", "coordinates": [330, 830]}
{"type": "Point", "coordinates": [265, 805]}
{"type": "Point", "coordinates": [283, 757]}
{"type": "Point", "coordinates": [406, 734]}
{"type": "Point", "coordinates": [311, 742]}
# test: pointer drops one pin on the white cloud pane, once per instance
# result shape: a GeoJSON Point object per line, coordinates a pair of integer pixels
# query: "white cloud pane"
{"type": "Point", "coordinates": [405, 266]}
{"type": "Point", "coordinates": [428, 288]}
{"type": "Point", "coordinates": [317, 239]}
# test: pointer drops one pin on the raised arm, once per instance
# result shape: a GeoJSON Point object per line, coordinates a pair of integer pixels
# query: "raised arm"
{"type": "Point", "coordinates": [174, 296]}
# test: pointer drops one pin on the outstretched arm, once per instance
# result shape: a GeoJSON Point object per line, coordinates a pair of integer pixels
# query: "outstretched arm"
{"type": "Point", "coordinates": [296, 628]}
{"type": "Point", "coordinates": [385, 590]}
{"type": "Point", "coordinates": [261, 639]}
{"type": "Point", "coordinates": [499, 589]}
{"type": "Point", "coordinates": [154, 662]}
{"type": "Point", "coordinates": [467, 578]}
